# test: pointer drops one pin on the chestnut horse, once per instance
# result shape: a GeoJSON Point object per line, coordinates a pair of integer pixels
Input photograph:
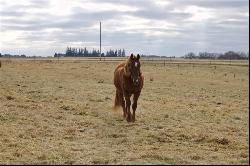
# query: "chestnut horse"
{"type": "Point", "coordinates": [128, 80]}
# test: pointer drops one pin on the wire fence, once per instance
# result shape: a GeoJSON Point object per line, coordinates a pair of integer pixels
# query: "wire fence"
{"type": "Point", "coordinates": [164, 61]}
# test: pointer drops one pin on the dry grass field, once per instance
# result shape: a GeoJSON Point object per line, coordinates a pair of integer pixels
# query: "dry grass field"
{"type": "Point", "coordinates": [60, 112]}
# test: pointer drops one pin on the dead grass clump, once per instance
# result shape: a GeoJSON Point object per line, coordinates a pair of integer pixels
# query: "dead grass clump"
{"type": "Point", "coordinates": [200, 139]}
{"type": "Point", "coordinates": [42, 157]}
{"type": "Point", "coordinates": [67, 107]}
{"type": "Point", "coordinates": [183, 137]}
{"type": "Point", "coordinates": [10, 98]}
{"type": "Point", "coordinates": [70, 131]}
{"type": "Point", "coordinates": [13, 145]}
{"type": "Point", "coordinates": [69, 138]}
{"type": "Point", "coordinates": [153, 156]}
{"type": "Point", "coordinates": [160, 137]}
{"type": "Point", "coordinates": [99, 161]}
{"type": "Point", "coordinates": [101, 81]}
{"type": "Point", "coordinates": [99, 100]}
{"type": "Point", "coordinates": [244, 155]}
{"type": "Point", "coordinates": [3, 118]}
{"type": "Point", "coordinates": [222, 141]}
{"type": "Point", "coordinates": [122, 141]}
{"type": "Point", "coordinates": [166, 116]}
{"type": "Point", "coordinates": [69, 162]}
{"type": "Point", "coordinates": [166, 160]}
{"type": "Point", "coordinates": [195, 157]}
{"type": "Point", "coordinates": [206, 139]}
{"type": "Point", "coordinates": [21, 135]}
{"type": "Point", "coordinates": [219, 103]}
{"type": "Point", "coordinates": [17, 154]}
{"type": "Point", "coordinates": [117, 135]}
{"type": "Point", "coordinates": [82, 113]}
{"type": "Point", "coordinates": [107, 98]}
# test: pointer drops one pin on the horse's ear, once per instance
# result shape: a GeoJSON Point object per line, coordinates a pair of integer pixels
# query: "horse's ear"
{"type": "Point", "coordinates": [132, 56]}
{"type": "Point", "coordinates": [138, 57]}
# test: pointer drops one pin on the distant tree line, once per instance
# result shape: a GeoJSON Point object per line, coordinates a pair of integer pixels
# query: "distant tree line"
{"type": "Point", "coordinates": [230, 55]}
{"type": "Point", "coordinates": [12, 56]}
{"type": "Point", "coordinates": [84, 52]}
{"type": "Point", "coordinates": [21, 56]}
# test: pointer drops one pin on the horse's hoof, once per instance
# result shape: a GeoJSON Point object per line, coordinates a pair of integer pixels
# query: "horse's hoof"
{"type": "Point", "coordinates": [128, 119]}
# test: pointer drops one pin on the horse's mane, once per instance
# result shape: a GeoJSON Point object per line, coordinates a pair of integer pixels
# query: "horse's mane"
{"type": "Point", "coordinates": [125, 66]}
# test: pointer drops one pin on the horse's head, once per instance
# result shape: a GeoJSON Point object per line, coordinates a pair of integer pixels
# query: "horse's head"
{"type": "Point", "coordinates": [133, 68]}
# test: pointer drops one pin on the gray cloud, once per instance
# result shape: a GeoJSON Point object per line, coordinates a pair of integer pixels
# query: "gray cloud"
{"type": "Point", "coordinates": [11, 13]}
{"type": "Point", "coordinates": [221, 4]}
{"type": "Point", "coordinates": [79, 14]}
{"type": "Point", "coordinates": [148, 32]}
{"type": "Point", "coordinates": [160, 14]}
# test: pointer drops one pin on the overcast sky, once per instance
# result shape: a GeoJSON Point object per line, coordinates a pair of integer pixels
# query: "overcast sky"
{"type": "Point", "coordinates": [159, 27]}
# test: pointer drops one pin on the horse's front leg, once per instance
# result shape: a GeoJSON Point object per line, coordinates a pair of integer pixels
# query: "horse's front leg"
{"type": "Point", "coordinates": [128, 104]}
{"type": "Point", "coordinates": [134, 106]}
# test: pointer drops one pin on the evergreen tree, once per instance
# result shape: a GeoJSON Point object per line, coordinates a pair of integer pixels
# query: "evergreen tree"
{"type": "Point", "coordinates": [123, 52]}
{"type": "Point", "coordinates": [119, 52]}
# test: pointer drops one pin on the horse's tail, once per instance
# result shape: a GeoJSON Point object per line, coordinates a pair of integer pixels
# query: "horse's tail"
{"type": "Point", "coordinates": [117, 103]}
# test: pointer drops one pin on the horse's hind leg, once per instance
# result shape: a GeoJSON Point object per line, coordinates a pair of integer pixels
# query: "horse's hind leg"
{"type": "Point", "coordinates": [117, 102]}
{"type": "Point", "coordinates": [122, 102]}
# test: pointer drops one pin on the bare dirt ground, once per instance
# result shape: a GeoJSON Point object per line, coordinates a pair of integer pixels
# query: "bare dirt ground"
{"type": "Point", "coordinates": [61, 113]}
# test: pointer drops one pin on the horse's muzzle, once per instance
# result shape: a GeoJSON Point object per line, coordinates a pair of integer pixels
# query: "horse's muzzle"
{"type": "Point", "coordinates": [136, 82]}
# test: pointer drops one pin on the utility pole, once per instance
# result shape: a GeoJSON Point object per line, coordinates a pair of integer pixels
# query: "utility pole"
{"type": "Point", "coordinates": [100, 41]}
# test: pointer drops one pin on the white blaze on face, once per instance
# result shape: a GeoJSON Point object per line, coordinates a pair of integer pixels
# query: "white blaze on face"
{"type": "Point", "coordinates": [136, 64]}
